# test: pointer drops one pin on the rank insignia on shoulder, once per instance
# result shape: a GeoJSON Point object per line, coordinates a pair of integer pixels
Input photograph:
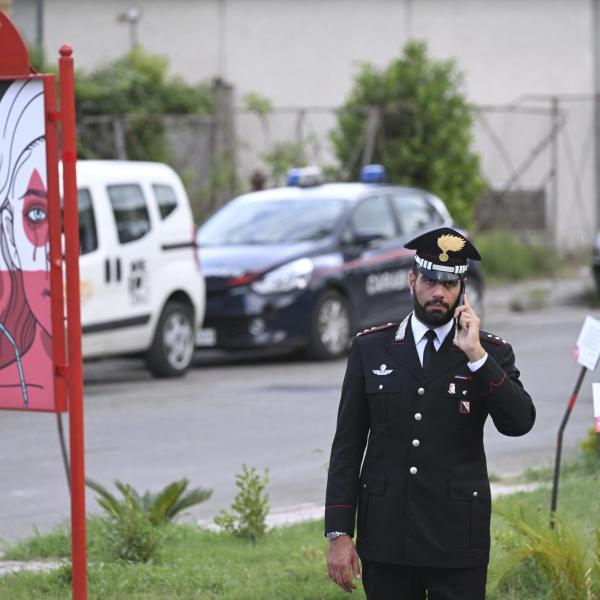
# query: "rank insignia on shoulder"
{"type": "Point", "coordinates": [491, 338]}
{"type": "Point", "coordinates": [374, 329]}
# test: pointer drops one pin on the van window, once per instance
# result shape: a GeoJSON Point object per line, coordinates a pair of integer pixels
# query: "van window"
{"type": "Point", "coordinates": [166, 198]}
{"type": "Point", "coordinates": [130, 211]}
{"type": "Point", "coordinates": [88, 239]}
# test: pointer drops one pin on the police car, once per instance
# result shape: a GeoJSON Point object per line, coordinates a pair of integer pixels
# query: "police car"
{"type": "Point", "coordinates": [307, 265]}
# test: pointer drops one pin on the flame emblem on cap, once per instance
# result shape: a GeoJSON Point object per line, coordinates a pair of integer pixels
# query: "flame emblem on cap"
{"type": "Point", "coordinates": [449, 243]}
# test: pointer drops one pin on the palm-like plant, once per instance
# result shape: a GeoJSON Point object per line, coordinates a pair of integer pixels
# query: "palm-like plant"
{"type": "Point", "coordinates": [160, 507]}
{"type": "Point", "coordinates": [559, 553]}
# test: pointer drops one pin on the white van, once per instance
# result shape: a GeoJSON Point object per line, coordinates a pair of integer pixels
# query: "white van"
{"type": "Point", "coordinates": [142, 291]}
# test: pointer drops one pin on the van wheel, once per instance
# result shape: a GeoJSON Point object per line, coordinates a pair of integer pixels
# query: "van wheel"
{"type": "Point", "coordinates": [173, 347]}
{"type": "Point", "coordinates": [330, 328]}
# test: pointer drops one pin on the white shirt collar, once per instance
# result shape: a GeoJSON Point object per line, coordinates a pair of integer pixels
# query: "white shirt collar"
{"type": "Point", "coordinates": [419, 329]}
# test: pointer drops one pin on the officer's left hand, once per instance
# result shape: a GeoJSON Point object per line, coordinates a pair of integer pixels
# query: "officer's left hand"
{"type": "Point", "coordinates": [468, 334]}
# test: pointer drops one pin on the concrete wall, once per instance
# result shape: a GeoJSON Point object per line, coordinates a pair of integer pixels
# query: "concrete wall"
{"type": "Point", "coordinates": [305, 53]}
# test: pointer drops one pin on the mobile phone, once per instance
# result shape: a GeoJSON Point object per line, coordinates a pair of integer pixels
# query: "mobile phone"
{"type": "Point", "coordinates": [461, 301]}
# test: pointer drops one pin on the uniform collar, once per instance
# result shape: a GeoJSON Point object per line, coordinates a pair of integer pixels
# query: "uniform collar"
{"type": "Point", "coordinates": [420, 329]}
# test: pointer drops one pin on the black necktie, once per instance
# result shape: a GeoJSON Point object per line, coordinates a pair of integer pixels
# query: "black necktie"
{"type": "Point", "coordinates": [429, 353]}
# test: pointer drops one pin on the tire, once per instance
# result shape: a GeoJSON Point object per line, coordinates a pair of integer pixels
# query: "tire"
{"type": "Point", "coordinates": [172, 349]}
{"type": "Point", "coordinates": [331, 327]}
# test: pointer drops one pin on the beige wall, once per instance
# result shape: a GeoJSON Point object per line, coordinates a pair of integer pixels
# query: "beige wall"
{"type": "Point", "coordinates": [305, 53]}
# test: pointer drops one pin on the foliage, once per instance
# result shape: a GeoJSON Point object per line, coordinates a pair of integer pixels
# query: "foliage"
{"type": "Point", "coordinates": [506, 257]}
{"type": "Point", "coordinates": [160, 507]}
{"type": "Point", "coordinates": [250, 507]}
{"type": "Point", "coordinates": [133, 527]}
{"type": "Point", "coordinates": [425, 128]}
{"type": "Point", "coordinates": [139, 87]}
{"type": "Point", "coordinates": [258, 104]}
{"type": "Point", "coordinates": [559, 553]}
{"type": "Point", "coordinates": [282, 157]}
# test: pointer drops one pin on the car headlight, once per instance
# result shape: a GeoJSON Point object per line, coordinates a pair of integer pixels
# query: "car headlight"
{"type": "Point", "coordinates": [291, 276]}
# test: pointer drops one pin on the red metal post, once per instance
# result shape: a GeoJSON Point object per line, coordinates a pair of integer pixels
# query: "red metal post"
{"type": "Point", "coordinates": [75, 370]}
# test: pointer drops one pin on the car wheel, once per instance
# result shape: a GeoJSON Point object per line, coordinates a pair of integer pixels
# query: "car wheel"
{"type": "Point", "coordinates": [474, 290]}
{"type": "Point", "coordinates": [173, 346]}
{"type": "Point", "coordinates": [331, 327]}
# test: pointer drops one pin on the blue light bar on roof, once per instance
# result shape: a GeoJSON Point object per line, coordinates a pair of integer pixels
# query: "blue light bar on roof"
{"type": "Point", "coordinates": [305, 177]}
{"type": "Point", "coordinates": [372, 174]}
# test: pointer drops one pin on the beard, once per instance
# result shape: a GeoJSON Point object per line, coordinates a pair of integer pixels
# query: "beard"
{"type": "Point", "coordinates": [435, 318]}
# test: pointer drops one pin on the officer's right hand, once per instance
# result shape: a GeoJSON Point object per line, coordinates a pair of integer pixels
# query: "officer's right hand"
{"type": "Point", "coordinates": [342, 562]}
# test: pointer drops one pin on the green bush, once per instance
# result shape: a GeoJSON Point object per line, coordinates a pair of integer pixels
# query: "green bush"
{"type": "Point", "coordinates": [425, 128]}
{"type": "Point", "coordinates": [504, 256]}
{"type": "Point", "coordinates": [133, 527]}
{"type": "Point", "coordinates": [250, 507]}
{"type": "Point", "coordinates": [138, 85]}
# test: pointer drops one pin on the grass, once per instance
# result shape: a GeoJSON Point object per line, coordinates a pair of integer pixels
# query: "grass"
{"type": "Point", "coordinates": [286, 563]}
{"type": "Point", "coordinates": [290, 562]}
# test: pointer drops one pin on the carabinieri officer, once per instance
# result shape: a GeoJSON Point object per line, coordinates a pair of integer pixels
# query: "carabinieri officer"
{"type": "Point", "coordinates": [414, 402]}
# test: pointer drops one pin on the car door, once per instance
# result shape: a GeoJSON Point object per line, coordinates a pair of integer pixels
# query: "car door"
{"type": "Point", "coordinates": [373, 270]}
{"type": "Point", "coordinates": [98, 278]}
{"type": "Point", "coordinates": [133, 258]}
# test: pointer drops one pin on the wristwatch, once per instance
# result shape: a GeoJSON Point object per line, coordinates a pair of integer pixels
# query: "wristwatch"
{"type": "Point", "coordinates": [333, 535]}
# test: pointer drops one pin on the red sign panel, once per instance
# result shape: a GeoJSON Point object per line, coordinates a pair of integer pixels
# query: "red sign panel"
{"type": "Point", "coordinates": [27, 346]}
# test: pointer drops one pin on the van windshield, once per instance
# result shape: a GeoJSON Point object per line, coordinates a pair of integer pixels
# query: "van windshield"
{"type": "Point", "coordinates": [272, 221]}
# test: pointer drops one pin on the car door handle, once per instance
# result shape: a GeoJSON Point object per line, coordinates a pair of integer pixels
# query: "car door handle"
{"type": "Point", "coordinates": [107, 270]}
{"type": "Point", "coordinates": [118, 264]}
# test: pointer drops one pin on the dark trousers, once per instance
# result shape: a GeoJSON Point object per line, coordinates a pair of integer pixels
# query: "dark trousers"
{"type": "Point", "coordinates": [399, 582]}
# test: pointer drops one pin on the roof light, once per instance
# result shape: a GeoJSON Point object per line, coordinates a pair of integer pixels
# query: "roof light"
{"type": "Point", "coordinates": [372, 174]}
{"type": "Point", "coordinates": [305, 177]}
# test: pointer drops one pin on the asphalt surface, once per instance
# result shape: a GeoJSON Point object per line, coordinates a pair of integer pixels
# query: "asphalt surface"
{"type": "Point", "coordinates": [276, 413]}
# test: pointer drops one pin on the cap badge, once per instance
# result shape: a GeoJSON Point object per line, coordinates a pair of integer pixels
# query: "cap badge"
{"type": "Point", "coordinates": [449, 243]}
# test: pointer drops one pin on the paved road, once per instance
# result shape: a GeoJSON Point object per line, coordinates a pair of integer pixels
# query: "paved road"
{"type": "Point", "coordinates": [278, 413]}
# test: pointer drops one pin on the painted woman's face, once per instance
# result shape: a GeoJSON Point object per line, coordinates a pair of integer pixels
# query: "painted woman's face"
{"type": "Point", "coordinates": [31, 238]}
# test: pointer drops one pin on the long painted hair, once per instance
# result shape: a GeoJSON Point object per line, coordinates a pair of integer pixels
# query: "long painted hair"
{"type": "Point", "coordinates": [21, 130]}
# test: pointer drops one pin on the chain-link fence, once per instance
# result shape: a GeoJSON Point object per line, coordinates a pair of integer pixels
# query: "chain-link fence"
{"type": "Point", "coordinates": [537, 156]}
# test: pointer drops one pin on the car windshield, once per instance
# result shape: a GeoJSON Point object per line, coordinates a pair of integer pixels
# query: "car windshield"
{"type": "Point", "coordinates": [272, 222]}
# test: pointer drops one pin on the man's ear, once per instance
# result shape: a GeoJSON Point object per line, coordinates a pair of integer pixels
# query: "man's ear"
{"type": "Point", "coordinates": [411, 282]}
{"type": "Point", "coordinates": [8, 233]}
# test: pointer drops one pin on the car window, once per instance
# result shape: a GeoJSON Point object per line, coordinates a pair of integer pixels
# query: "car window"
{"type": "Point", "coordinates": [414, 212]}
{"type": "Point", "coordinates": [130, 211]}
{"type": "Point", "coordinates": [166, 199]}
{"type": "Point", "coordinates": [277, 221]}
{"type": "Point", "coordinates": [88, 238]}
{"type": "Point", "coordinates": [373, 216]}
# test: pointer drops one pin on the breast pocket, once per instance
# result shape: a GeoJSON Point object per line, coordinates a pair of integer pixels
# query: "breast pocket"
{"type": "Point", "coordinates": [461, 408]}
{"type": "Point", "coordinates": [382, 393]}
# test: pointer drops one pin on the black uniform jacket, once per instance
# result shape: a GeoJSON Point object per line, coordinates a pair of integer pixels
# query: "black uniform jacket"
{"type": "Point", "coordinates": [422, 495]}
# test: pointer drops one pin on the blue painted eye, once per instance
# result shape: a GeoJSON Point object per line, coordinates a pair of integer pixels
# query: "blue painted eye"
{"type": "Point", "coordinates": [36, 215]}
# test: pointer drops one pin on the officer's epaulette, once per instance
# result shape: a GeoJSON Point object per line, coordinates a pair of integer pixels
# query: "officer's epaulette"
{"type": "Point", "coordinates": [374, 329]}
{"type": "Point", "coordinates": [486, 336]}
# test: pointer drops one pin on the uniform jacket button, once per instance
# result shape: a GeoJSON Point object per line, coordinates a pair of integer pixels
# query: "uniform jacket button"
{"type": "Point", "coordinates": [413, 470]}
{"type": "Point", "coordinates": [380, 387]}
{"type": "Point", "coordinates": [421, 391]}
{"type": "Point", "coordinates": [416, 443]}
{"type": "Point", "coordinates": [418, 416]}
{"type": "Point", "coordinates": [475, 494]}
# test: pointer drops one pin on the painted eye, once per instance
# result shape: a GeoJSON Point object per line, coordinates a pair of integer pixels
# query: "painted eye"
{"type": "Point", "coordinates": [36, 215]}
